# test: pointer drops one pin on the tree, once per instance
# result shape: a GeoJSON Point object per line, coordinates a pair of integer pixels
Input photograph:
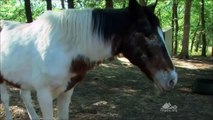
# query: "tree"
{"type": "Point", "coordinates": [62, 4]}
{"type": "Point", "coordinates": [109, 3]}
{"type": "Point", "coordinates": [124, 4]}
{"type": "Point", "coordinates": [194, 36]}
{"type": "Point", "coordinates": [185, 42]}
{"type": "Point", "coordinates": [203, 34]}
{"type": "Point", "coordinates": [175, 27]}
{"type": "Point", "coordinates": [28, 11]}
{"type": "Point", "coordinates": [70, 3]}
{"type": "Point", "coordinates": [198, 42]}
{"type": "Point", "coordinates": [49, 4]}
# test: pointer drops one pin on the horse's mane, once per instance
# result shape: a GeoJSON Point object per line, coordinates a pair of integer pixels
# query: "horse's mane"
{"type": "Point", "coordinates": [67, 19]}
{"type": "Point", "coordinates": [69, 23]}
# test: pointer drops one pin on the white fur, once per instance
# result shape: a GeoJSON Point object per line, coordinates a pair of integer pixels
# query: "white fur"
{"type": "Point", "coordinates": [26, 97]}
{"type": "Point", "coordinates": [38, 55]}
{"type": "Point", "coordinates": [162, 77]}
{"type": "Point", "coordinates": [160, 32]}
{"type": "Point", "coordinates": [5, 101]}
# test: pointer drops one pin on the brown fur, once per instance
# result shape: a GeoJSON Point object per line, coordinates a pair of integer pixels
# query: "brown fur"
{"type": "Point", "coordinates": [79, 66]}
{"type": "Point", "coordinates": [2, 80]}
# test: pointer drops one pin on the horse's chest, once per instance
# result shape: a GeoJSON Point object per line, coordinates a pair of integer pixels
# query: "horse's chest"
{"type": "Point", "coordinates": [79, 67]}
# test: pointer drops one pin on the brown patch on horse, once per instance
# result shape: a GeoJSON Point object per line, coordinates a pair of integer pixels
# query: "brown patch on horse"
{"type": "Point", "coordinates": [12, 84]}
{"type": "Point", "coordinates": [79, 66]}
{"type": "Point", "coordinates": [2, 80]}
{"type": "Point", "coordinates": [74, 80]}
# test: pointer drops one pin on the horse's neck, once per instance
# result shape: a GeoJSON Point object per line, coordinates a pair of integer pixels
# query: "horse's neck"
{"type": "Point", "coordinates": [112, 25]}
{"type": "Point", "coordinates": [91, 33]}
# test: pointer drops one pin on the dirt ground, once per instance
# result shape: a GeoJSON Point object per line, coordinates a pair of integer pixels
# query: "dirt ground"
{"type": "Point", "coordinates": [116, 90]}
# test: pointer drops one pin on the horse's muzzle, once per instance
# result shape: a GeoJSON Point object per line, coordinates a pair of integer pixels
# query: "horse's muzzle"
{"type": "Point", "coordinates": [165, 80]}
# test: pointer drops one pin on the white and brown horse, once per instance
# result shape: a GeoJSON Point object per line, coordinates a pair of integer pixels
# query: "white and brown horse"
{"type": "Point", "coordinates": [53, 53]}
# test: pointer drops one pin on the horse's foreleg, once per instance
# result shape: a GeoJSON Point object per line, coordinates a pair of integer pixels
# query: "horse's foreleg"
{"type": "Point", "coordinates": [63, 102]}
{"type": "Point", "coordinates": [26, 97]}
{"type": "Point", "coordinates": [5, 101]}
{"type": "Point", "coordinates": [45, 100]}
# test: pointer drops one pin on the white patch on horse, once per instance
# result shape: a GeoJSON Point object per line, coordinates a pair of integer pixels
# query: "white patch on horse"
{"type": "Point", "coordinates": [173, 74]}
{"type": "Point", "coordinates": [38, 55]}
{"type": "Point", "coordinates": [160, 32]}
{"type": "Point", "coordinates": [161, 79]}
{"type": "Point", "coordinates": [60, 37]}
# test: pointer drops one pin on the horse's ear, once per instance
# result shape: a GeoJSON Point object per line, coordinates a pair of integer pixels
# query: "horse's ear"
{"type": "Point", "coordinates": [133, 6]}
{"type": "Point", "coordinates": [152, 6]}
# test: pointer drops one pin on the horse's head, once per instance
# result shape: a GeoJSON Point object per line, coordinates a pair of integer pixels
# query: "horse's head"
{"type": "Point", "coordinates": [145, 46]}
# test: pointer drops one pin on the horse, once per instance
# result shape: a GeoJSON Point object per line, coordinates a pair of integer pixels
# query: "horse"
{"type": "Point", "coordinates": [52, 54]}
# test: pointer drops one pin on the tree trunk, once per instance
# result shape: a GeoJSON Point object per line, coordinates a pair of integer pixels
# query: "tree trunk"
{"type": "Point", "coordinates": [173, 18]}
{"type": "Point", "coordinates": [185, 42]}
{"type": "Point", "coordinates": [28, 11]}
{"type": "Point", "coordinates": [203, 34]}
{"type": "Point", "coordinates": [198, 42]}
{"type": "Point", "coordinates": [124, 3]}
{"type": "Point", "coordinates": [109, 3]}
{"type": "Point", "coordinates": [70, 3]}
{"type": "Point", "coordinates": [62, 4]}
{"type": "Point", "coordinates": [194, 36]}
{"type": "Point", "coordinates": [49, 4]}
{"type": "Point", "coordinates": [175, 27]}
{"type": "Point", "coordinates": [212, 51]}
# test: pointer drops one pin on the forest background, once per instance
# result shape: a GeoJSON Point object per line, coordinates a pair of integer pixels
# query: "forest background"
{"type": "Point", "coordinates": [191, 21]}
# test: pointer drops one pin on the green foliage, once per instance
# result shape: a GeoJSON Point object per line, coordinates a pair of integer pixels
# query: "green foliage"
{"type": "Point", "coordinates": [14, 10]}
{"type": "Point", "coordinates": [209, 22]}
{"type": "Point", "coordinates": [38, 7]}
{"type": "Point", "coordinates": [90, 3]}
{"type": "Point", "coordinates": [120, 3]}
{"type": "Point", "coordinates": [11, 10]}
{"type": "Point", "coordinates": [164, 12]}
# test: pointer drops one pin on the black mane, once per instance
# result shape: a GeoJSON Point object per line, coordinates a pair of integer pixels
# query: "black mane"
{"type": "Point", "coordinates": [109, 22]}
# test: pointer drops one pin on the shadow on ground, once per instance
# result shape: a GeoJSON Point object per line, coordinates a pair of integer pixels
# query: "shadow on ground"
{"type": "Point", "coordinates": [116, 90]}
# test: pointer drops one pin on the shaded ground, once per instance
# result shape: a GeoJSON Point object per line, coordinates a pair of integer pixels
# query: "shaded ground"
{"type": "Point", "coordinates": [118, 91]}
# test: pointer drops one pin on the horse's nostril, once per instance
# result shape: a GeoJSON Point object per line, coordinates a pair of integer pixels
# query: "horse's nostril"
{"type": "Point", "coordinates": [171, 83]}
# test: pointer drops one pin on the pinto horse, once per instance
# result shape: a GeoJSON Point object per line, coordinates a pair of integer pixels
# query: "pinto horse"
{"type": "Point", "coordinates": [52, 54]}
